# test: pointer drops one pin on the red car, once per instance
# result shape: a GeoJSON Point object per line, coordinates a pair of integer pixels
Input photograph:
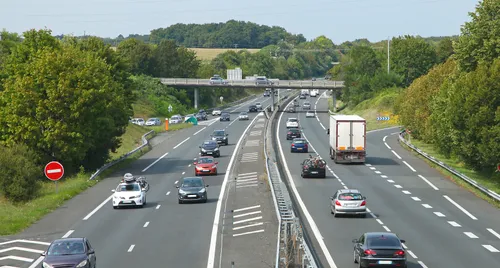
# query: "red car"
{"type": "Point", "coordinates": [205, 165]}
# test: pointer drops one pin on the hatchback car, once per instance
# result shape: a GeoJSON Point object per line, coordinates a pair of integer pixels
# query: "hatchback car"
{"type": "Point", "coordinates": [379, 249]}
{"type": "Point", "coordinates": [225, 117]}
{"type": "Point", "coordinates": [153, 122]}
{"type": "Point", "coordinates": [313, 167]}
{"type": "Point", "coordinates": [262, 81]}
{"type": "Point", "coordinates": [220, 136]}
{"type": "Point", "coordinates": [293, 133]}
{"type": "Point", "coordinates": [205, 165]}
{"type": "Point", "coordinates": [129, 194]}
{"type": "Point", "coordinates": [292, 122]}
{"type": "Point", "coordinates": [243, 116]}
{"type": "Point", "coordinates": [348, 201]}
{"type": "Point", "coordinates": [192, 190]}
{"type": "Point", "coordinates": [291, 109]}
{"type": "Point", "coordinates": [210, 148]}
{"type": "Point", "coordinates": [217, 80]}
{"type": "Point", "coordinates": [299, 145]}
{"type": "Point", "coordinates": [69, 252]}
{"type": "Point", "coordinates": [176, 119]}
{"type": "Point", "coordinates": [252, 108]}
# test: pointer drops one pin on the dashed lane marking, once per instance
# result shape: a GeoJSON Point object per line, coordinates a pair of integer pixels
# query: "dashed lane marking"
{"type": "Point", "coordinates": [428, 182]}
{"type": "Point", "coordinates": [415, 198]}
{"type": "Point", "coordinates": [378, 172]}
{"type": "Point", "coordinates": [391, 181]}
{"type": "Point", "coordinates": [383, 176]}
{"type": "Point", "coordinates": [131, 248]}
{"type": "Point", "coordinates": [396, 154]}
{"type": "Point", "coordinates": [398, 186]}
{"type": "Point", "coordinates": [426, 206]}
{"type": "Point", "coordinates": [470, 235]}
{"type": "Point", "coordinates": [454, 224]}
{"type": "Point", "coordinates": [247, 233]}
{"type": "Point", "coordinates": [410, 167]}
{"type": "Point", "coordinates": [439, 214]}
{"type": "Point", "coordinates": [406, 192]}
{"type": "Point", "coordinates": [493, 232]}
{"type": "Point", "coordinates": [491, 248]}
{"type": "Point", "coordinates": [247, 208]}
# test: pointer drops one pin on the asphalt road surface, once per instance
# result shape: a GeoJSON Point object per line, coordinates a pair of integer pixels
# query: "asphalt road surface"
{"type": "Point", "coordinates": [443, 224]}
{"type": "Point", "coordinates": [163, 232]}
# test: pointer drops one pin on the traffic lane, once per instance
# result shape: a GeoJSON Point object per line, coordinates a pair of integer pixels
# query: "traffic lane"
{"type": "Point", "coordinates": [383, 197]}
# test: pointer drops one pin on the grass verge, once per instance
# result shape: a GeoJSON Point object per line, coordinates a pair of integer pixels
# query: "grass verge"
{"type": "Point", "coordinates": [486, 180]}
{"type": "Point", "coordinates": [210, 53]}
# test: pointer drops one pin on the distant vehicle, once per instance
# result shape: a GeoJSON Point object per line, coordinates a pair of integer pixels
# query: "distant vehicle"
{"type": "Point", "coordinates": [313, 167]}
{"type": "Point", "coordinates": [192, 190]}
{"type": "Point", "coordinates": [129, 194]}
{"type": "Point", "coordinates": [267, 93]}
{"type": "Point", "coordinates": [220, 136]}
{"type": "Point", "coordinates": [310, 114]}
{"type": "Point", "coordinates": [216, 112]}
{"type": "Point", "coordinates": [217, 80]}
{"type": "Point", "coordinates": [243, 116]}
{"type": "Point", "coordinates": [138, 121]}
{"type": "Point", "coordinates": [201, 116]}
{"type": "Point", "coordinates": [302, 96]}
{"type": "Point", "coordinates": [176, 119]}
{"type": "Point", "coordinates": [262, 80]}
{"type": "Point", "coordinates": [299, 145]}
{"type": "Point", "coordinates": [314, 93]}
{"type": "Point", "coordinates": [304, 91]}
{"type": "Point", "coordinates": [296, 103]}
{"type": "Point", "coordinates": [252, 108]}
{"type": "Point", "coordinates": [306, 106]}
{"type": "Point", "coordinates": [293, 133]}
{"type": "Point", "coordinates": [292, 122]}
{"type": "Point", "coordinates": [205, 165]}
{"type": "Point", "coordinates": [348, 144]}
{"type": "Point", "coordinates": [379, 248]}
{"type": "Point", "coordinates": [210, 148]}
{"type": "Point", "coordinates": [153, 122]}
{"type": "Point", "coordinates": [225, 116]}
{"type": "Point", "coordinates": [69, 252]}
{"type": "Point", "coordinates": [258, 105]}
{"type": "Point", "coordinates": [313, 79]}
{"type": "Point", "coordinates": [291, 109]}
{"type": "Point", "coordinates": [348, 201]}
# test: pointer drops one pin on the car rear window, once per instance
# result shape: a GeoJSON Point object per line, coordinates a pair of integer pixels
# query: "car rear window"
{"type": "Point", "coordinates": [350, 196]}
{"type": "Point", "coordinates": [299, 141]}
{"type": "Point", "coordinates": [383, 241]}
{"type": "Point", "coordinates": [292, 120]}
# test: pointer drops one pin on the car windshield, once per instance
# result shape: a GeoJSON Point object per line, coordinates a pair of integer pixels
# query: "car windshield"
{"type": "Point", "coordinates": [294, 130]}
{"type": "Point", "coordinates": [208, 143]}
{"type": "Point", "coordinates": [66, 248]}
{"type": "Point", "coordinates": [128, 187]}
{"type": "Point", "coordinates": [258, 103]}
{"type": "Point", "coordinates": [299, 141]}
{"type": "Point", "coordinates": [306, 103]}
{"type": "Point", "coordinates": [192, 183]}
{"type": "Point", "coordinates": [218, 133]}
{"type": "Point", "coordinates": [225, 113]}
{"type": "Point", "coordinates": [292, 120]}
{"type": "Point", "coordinates": [243, 113]}
{"type": "Point", "coordinates": [383, 241]}
{"type": "Point", "coordinates": [205, 161]}
{"type": "Point", "coordinates": [259, 78]}
{"type": "Point", "coordinates": [351, 196]}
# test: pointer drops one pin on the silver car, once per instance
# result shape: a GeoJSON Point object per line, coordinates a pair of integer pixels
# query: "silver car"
{"type": "Point", "coordinates": [217, 80]}
{"type": "Point", "coordinates": [306, 106]}
{"type": "Point", "coordinates": [310, 114]}
{"type": "Point", "coordinates": [262, 81]}
{"type": "Point", "coordinates": [243, 116]}
{"type": "Point", "coordinates": [153, 122]}
{"type": "Point", "coordinates": [348, 201]}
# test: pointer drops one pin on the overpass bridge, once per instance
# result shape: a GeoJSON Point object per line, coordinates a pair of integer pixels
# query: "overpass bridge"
{"type": "Point", "coordinates": [247, 83]}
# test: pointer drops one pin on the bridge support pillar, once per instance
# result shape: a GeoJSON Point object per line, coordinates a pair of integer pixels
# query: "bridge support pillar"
{"type": "Point", "coordinates": [196, 97]}
{"type": "Point", "coordinates": [334, 95]}
{"type": "Point", "coordinates": [272, 100]}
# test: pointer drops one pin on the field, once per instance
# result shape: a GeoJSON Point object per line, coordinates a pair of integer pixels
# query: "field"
{"type": "Point", "coordinates": [210, 53]}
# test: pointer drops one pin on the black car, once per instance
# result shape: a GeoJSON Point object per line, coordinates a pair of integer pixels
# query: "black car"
{"type": "Point", "coordinates": [220, 136]}
{"type": "Point", "coordinates": [69, 252]}
{"type": "Point", "coordinates": [252, 108]}
{"type": "Point", "coordinates": [379, 249]}
{"type": "Point", "coordinates": [296, 103]}
{"type": "Point", "coordinates": [210, 148]}
{"type": "Point", "coordinates": [201, 116]}
{"type": "Point", "coordinates": [225, 117]}
{"type": "Point", "coordinates": [302, 96]}
{"type": "Point", "coordinates": [313, 167]}
{"type": "Point", "coordinates": [192, 189]}
{"type": "Point", "coordinates": [293, 133]}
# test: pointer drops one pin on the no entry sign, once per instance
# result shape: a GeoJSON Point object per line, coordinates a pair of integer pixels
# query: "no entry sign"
{"type": "Point", "coordinates": [54, 171]}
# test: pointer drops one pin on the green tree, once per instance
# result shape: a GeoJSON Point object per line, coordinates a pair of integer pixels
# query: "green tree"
{"type": "Point", "coordinates": [444, 49]}
{"type": "Point", "coordinates": [137, 54]}
{"type": "Point", "coordinates": [480, 38]}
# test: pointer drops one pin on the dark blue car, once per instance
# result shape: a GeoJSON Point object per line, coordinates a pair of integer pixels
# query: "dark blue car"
{"type": "Point", "coordinates": [299, 145]}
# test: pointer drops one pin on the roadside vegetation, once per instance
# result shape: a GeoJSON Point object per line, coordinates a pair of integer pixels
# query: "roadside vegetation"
{"type": "Point", "coordinates": [208, 54]}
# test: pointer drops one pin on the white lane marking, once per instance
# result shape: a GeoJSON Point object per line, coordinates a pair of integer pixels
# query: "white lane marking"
{"type": "Point", "coordinates": [428, 182]}
{"type": "Point", "coordinates": [391, 181]}
{"type": "Point", "coordinates": [176, 182]}
{"type": "Point", "coordinates": [460, 207]}
{"type": "Point", "coordinates": [397, 155]}
{"type": "Point", "coordinates": [322, 126]}
{"type": "Point", "coordinates": [249, 173]}
{"type": "Point", "coordinates": [158, 207]}
{"type": "Point", "coordinates": [189, 165]}
{"type": "Point", "coordinates": [385, 137]}
{"type": "Point", "coordinates": [246, 177]}
{"type": "Point", "coordinates": [247, 214]}
{"type": "Point", "coordinates": [380, 222]}
{"type": "Point", "coordinates": [439, 214]}
{"type": "Point", "coordinates": [248, 185]}
{"type": "Point", "coordinates": [50, 171]}
{"type": "Point", "coordinates": [199, 131]}
{"type": "Point", "coordinates": [247, 233]}
{"type": "Point", "coordinates": [373, 215]}
{"type": "Point", "coordinates": [168, 192]}
{"type": "Point", "coordinates": [342, 183]}
{"type": "Point", "coordinates": [406, 192]}
{"type": "Point", "coordinates": [373, 168]}
{"type": "Point", "coordinates": [491, 248]}
{"type": "Point", "coordinates": [470, 235]}
{"type": "Point", "coordinates": [415, 198]}
{"type": "Point", "coordinates": [245, 180]}
{"type": "Point", "coordinates": [248, 226]}
{"type": "Point", "coordinates": [215, 226]}
{"type": "Point", "coordinates": [454, 224]}
{"type": "Point", "coordinates": [131, 248]}
{"type": "Point", "coordinates": [175, 147]}
{"type": "Point", "coordinates": [422, 264]}
{"type": "Point", "coordinates": [25, 241]}
{"type": "Point", "coordinates": [398, 186]}
{"type": "Point", "coordinates": [146, 224]}
{"type": "Point", "coordinates": [378, 172]}
{"type": "Point", "coordinates": [404, 246]}
{"type": "Point", "coordinates": [383, 176]}
{"type": "Point", "coordinates": [246, 208]}
{"type": "Point", "coordinates": [410, 167]}
{"type": "Point", "coordinates": [21, 249]}
{"type": "Point", "coordinates": [97, 208]}
{"type": "Point", "coordinates": [412, 254]}
{"type": "Point", "coordinates": [66, 235]}
{"type": "Point", "coordinates": [387, 145]}
{"type": "Point", "coordinates": [345, 187]}
{"type": "Point", "coordinates": [16, 258]}
{"type": "Point", "coordinates": [184, 172]}
{"type": "Point", "coordinates": [156, 161]}
{"type": "Point", "coordinates": [426, 206]}
{"type": "Point", "coordinates": [308, 216]}
{"type": "Point", "coordinates": [367, 209]}
{"type": "Point", "coordinates": [8, 266]}
{"type": "Point", "coordinates": [368, 165]}
{"type": "Point", "coordinates": [493, 232]}
{"type": "Point", "coordinates": [386, 228]}
{"type": "Point", "coordinates": [247, 220]}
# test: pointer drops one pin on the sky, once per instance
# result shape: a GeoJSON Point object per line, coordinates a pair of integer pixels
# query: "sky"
{"type": "Point", "coordinates": [339, 20]}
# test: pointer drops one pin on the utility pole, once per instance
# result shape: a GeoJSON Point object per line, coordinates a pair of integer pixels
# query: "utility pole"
{"type": "Point", "coordinates": [388, 55]}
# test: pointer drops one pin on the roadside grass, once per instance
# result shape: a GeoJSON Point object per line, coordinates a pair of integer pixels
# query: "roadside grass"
{"type": "Point", "coordinates": [207, 54]}
{"type": "Point", "coordinates": [171, 127]}
{"type": "Point", "coordinates": [487, 180]}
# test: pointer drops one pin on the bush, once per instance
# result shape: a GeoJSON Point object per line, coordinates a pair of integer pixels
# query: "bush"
{"type": "Point", "coordinates": [19, 173]}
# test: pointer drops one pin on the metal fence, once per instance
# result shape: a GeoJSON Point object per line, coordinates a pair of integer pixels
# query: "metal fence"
{"type": "Point", "coordinates": [472, 182]}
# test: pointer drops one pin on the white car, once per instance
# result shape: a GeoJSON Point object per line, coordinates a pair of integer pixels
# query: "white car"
{"type": "Point", "coordinates": [306, 106]}
{"type": "Point", "coordinates": [138, 121]}
{"type": "Point", "coordinates": [292, 122]}
{"type": "Point", "coordinates": [310, 114]}
{"type": "Point", "coordinates": [153, 122]}
{"type": "Point", "coordinates": [243, 116]}
{"type": "Point", "coordinates": [176, 119]}
{"type": "Point", "coordinates": [258, 105]}
{"type": "Point", "coordinates": [216, 112]}
{"type": "Point", "coordinates": [129, 194]}
{"type": "Point", "coordinates": [313, 93]}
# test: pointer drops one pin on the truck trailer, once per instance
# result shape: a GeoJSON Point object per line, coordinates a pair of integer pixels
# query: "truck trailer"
{"type": "Point", "coordinates": [347, 138]}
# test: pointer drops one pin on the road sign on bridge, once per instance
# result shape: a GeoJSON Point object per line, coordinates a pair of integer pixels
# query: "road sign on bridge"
{"type": "Point", "coordinates": [54, 171]}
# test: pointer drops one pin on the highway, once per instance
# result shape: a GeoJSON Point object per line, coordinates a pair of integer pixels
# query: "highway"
{"type": "Point", "coordinates": [443, 224]}
{"type": "Point", "coordinates": [163, 232]}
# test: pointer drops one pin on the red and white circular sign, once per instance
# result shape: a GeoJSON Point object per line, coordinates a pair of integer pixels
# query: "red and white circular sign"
{"type": "Point", "coordinates": [54, 171]}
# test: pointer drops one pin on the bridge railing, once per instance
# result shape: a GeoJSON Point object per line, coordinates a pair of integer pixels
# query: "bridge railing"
{"type": "Point", "coordinates": [253, 83]}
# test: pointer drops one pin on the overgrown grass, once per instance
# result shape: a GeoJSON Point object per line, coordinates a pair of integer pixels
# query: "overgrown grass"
{"type": "Point", "coordinates": [486, 180]}
{"type": "Point", "coordinates": [171, 127]}
{"type": "Point", "coordinates": [207, 54]}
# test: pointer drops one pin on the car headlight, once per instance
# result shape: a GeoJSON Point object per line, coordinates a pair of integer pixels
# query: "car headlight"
{"type": "Point", "coordinates": [214, 166]}
{"type": "Point", "coordinates": [81, 264]}
{"type": "Point", "coordinates": [202, 190]}
{"type": "Point", "coordinates": [137, 196]}
{"type": "Point", "coordinates": [181, 191]}
{"type": "Point", "coordinates": [46, 265]}
{"type": "Point", "coordinates": [216, 149]}
{"type": "Point", "coordinates": [203, 150]}
{"type": "Point", "coordinates": [214, 138]}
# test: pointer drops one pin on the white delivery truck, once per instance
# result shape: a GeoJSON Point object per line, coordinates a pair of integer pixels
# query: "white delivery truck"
{"type": "Point", "coordinates": [347, 138]}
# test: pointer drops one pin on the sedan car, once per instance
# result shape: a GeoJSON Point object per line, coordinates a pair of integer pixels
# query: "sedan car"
{"type": "Point", "coordinates": [192, 189]}
{"type": "Point", "coordinates": [296, 103]}
{"type": "Point", "coordinates": [216, 112]}
{"type": "Point", "coordinates": [313, 167]}
{"type": "Point", "coordinates": [252, 108]}
{"type": "Point", "coordinates": [138, 121]}
{"type": "Point", "coordinates": [292, 122]}
{"type": "Point", "coordinates": [348, 201]}
{"type": "Point", "coordinates": [69, 252]}
{"type": "Point", "coordinates": [262, 81]}
{"type": "Point", "coordinates": [210, 148]}
{"type": "Point", "coordinates": [176, 119]}
{"type": "Point", "coordinates": [243, 116]}
{"type": "Point", "coordinates": [205, 165]}
{"type": "Point", "coordinates": [306, 106]}
{"type": "Point", "coordinates": [201, 116]}
{"type": "Point", "coordinates": [225, 117]}
{"type": "Point", "coordinates": [302, 96]}
{"type": "Point", "coordinates": [153, 122]}
{"type": "Point", "coordinates": [293, 133]}
{"type": "Point", "coordinates": [220, 136]}
{"type": "Point", "coordinates": [258, 105]}
{"type": "Point", "coordinates": [217, 80]}
{"type": "Point", "coordinates": [379, 249]}
{"type": "Point", "coordinates": [310, 114]}
{"type": "Point", "coordinates": [129, 194]}
{"type": "Point", "coordinates": [299, 145]}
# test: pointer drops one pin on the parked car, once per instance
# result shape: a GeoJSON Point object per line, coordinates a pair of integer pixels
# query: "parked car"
{"type": "Point", "coordinates": [176, 119]}
{"type": "Point", "coordinates": [313, 167]}
{"type": "Point", "coordinates": [138, 121]}
{"type": "Point", "coordinates": [153, 122]}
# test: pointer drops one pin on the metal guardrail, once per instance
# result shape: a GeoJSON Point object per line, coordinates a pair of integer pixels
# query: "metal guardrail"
{"type": "Point", "coordinates": [472, 182]}
{"type": "Point", "coordinates": [295, 84]}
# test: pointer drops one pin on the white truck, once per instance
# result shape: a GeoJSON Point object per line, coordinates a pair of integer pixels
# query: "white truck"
{"type": "Point", "coordinates": [347, 138]}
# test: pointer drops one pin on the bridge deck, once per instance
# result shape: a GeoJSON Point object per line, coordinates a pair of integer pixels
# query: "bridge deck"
{"type": "Point", "coordinates": [293, 84]}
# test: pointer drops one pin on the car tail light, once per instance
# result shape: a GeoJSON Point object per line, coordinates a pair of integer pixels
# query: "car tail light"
{"type": "Point", "coordinates": [338, 203]}
{"type": "Point", "coordinates": [370, 252]}
{"type": "Point", "coordinates": [293, 144]}
{"type": "Point", "coordinates": [399, 253]}
{"type": "Point", "coordinates": [289, 133]}
{"type": "Point", "coordinates": [306, 167]}
{"type": "Point", "coordinates": [305, 145]}
{"type": "Point", "coordinates": [363, 203]}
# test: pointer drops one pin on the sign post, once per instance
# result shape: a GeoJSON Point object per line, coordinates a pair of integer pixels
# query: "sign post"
{"type": "Point", "coordinates": [221, 99]}
{"type": "Point", "coordinates": [54, 171]}
{"type": "Point", "coordinates": [170, 109]}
